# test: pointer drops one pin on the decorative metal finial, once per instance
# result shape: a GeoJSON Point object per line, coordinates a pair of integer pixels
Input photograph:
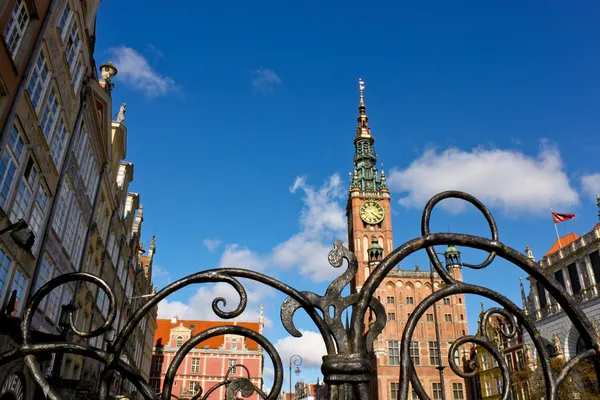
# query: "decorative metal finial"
{"type": "Point", "coordinates": [361, 86]}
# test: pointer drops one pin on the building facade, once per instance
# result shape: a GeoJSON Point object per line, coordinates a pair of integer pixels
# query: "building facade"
{"type": "Point", "coordinates": [210, 362]}
{"type": "Point", "coordinates": [21, 23]}
{"type": "Point", "coordinates": [63, 172]}
{"type": "Point", "coordinates": [575, 263]}
{"type": "Point", "coordinates": [488, 382]}
{"type": "Point", "coordinates": [370, 238]}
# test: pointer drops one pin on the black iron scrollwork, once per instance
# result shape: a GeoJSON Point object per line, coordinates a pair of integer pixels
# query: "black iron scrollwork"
{"type": "Point", "coordinates": [347, 364]}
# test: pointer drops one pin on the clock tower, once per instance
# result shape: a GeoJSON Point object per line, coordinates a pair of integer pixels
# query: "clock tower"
{"type": "Point", "coordinates": [368, 209]}
{"type": "Point", "coordinates": [370, 239]}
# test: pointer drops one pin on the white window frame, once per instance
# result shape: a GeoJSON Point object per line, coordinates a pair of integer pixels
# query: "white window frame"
{"type": "Point", "coordinates": [77, 73]}
{"type": "Point", "coordinates": [39, 80]}
{"type": "Point", "coordinates": [65, 20]}
{"type": "Point", "coordinates": [10, 163]}
{"type": "Point", "coordinates": [64, 200]}
{"type": "Point", "coordinates": [5, 275]}
{"type": "Point", "coordinates": [50, 114]}
{"type": "Point", "coordinates": [195, 365]}
{"type": "Point", "coordinates": [26, 192]}
{"type": "Point", "coordinates": [38, 214]}
{"type": "Point", "coordinates": [16, 26]}
{"type": "Point", "coordinates": [59, 142]}
{"type": "Point", "coordinates": [72, 42]}
{"type": "Point", "coordinates": [22, 285]}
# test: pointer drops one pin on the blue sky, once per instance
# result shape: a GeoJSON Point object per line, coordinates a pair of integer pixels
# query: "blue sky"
{"type": "Point", "coordinates": [241, 117]}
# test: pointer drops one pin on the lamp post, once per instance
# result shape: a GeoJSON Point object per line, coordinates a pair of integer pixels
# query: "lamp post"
{"type": "Point", "coordinates": [297, 363]}
{"type": "Point", "coordinates": [24, 238]}
{"type": "Point", "coordinates": [64, 323]}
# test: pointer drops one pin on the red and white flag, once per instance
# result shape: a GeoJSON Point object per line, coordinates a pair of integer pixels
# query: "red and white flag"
{"type": "Point", "coordinates": [558, 218]}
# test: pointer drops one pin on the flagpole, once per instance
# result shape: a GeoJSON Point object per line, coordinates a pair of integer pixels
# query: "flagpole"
{"type": "Point", "coordinates": [556, 228]}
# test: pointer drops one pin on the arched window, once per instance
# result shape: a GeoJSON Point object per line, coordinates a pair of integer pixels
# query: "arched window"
{"type": "Point", "coordinates": [179, 341]}
{"type": "Point", "coordinates": [580, 347]}
{"type": "Point", "coordinates": [234, 344]}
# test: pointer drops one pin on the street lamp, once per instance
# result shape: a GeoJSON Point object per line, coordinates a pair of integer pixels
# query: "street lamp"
{"type": "Point", "coordinates": [64, 323]}
{"type": "Point", "coordinates": [297, 363]}
{"type": "Point", "coordinates": [21, 234]}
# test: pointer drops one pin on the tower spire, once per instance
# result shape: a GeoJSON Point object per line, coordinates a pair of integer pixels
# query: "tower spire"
{"type": "Point", "coordinates": [363, 129]}
{"type": "Point", "coordinates": [365, 173]}
{"type": "Point", "coordinates": [523, 297]}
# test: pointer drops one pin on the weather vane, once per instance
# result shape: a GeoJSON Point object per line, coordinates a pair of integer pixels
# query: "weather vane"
{"type": "Point", "coordinates": [361, 86]}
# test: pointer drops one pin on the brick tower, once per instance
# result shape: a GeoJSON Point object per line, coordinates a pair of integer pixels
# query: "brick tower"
{"type": "Point", "coordinates": [370, 239]}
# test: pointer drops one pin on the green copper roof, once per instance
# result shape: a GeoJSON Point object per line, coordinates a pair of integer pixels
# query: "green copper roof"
{"type": "Point", "coordinates": [365, 175]}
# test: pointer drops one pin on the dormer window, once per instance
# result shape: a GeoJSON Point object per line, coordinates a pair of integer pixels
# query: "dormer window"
{"type": "Point", "coordinates": [179, 341]}
{"type": "Point", "coordinates": [234, 344]}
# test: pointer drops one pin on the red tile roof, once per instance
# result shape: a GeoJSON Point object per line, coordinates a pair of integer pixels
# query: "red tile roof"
{"type": "Point", "coordinates": [564, 242]}
{"type": "Point", "coordinates": [163, 332]}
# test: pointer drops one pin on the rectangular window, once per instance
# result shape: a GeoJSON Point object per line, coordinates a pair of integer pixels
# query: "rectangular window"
{"type": "Point", "coordinates": [429, 317]}
{"type": "Point", "coordinates": [72, 46]}
{"type": "Point", "coordinates": [193, 386]}
{"type": "Point", "coordinates": [394, 390]}
{"type": "Point", "coordinates": [36, 220]}
{"type": "Point", "coordinates": [393, 352]}
{"type": "Point", "coordinates": [437, 390]}
{"type": "Point", "coordinates": [77, 74]}
{"type": "Point", "coordinates": [19, 284]}
{"type": "Point", "coordinates": [195, 365]}
{"type": "Point", "coordinates": [457, 391]}
{"type": "Point", "coordinates": [62, 205]}
{"type": "Point", "coordinates": [232, 366]}
{"type": "Point", "coordinates": [448, 317]}
{"type": "Point", "coordinates": [57, 147]}
{"type": "Point", "coordinates": [541, 295]}
{"type": "Point", "coordinates": [595, 260]}
{"type": "Point", "coordinates": [158, 362]}
{"type": "Point", "coordinates": [574, 277]}
{"type": "Point", "coordinates": [410, 300]}
{"type": "Point", "coordinates": [390, 299]}
{"type": "Point", "coordinates": [78, 243]}
{"type": "Point", "coordinates": [71, 228]}
{"type": "Point", "coordinates": [509, 362]}
{"type": "Point", "coordinates": [415, 355]}
{"type": "Point", "coordinates": [498, 385]}
{"type": "Point", "coordinates": [434, 354]}
{"type": "Point", "coordinates": [446, 301]}
{"type": "Point", "coordinates": [4, 270]}
{"type": "Point", "coordinates": [488, 388]}
{"type": "Point", "coordinates": [23, 200]}
{"type": "Point", "coordinates": [65, 20]}
{"type": "Point", "coordinates": [15, 27]}
{"type": "Point", "coordinates": [520, 359]}
{"type": "Point", "coordinates": [38, 82]}
{"type": "Point", "coordinates": [50, 115]}
{"type": "Point", "coordinates": [391, 316]}
{"type": "Point", "coordinates": [45, 274]}
{"type": "Point", "coordinates": [560, 277]}
{"type": "Point", "coordinates": [9, 163]}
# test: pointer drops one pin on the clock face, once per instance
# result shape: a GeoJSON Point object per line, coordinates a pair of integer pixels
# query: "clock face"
{"type": "Point", "coordinates": [372, 212]}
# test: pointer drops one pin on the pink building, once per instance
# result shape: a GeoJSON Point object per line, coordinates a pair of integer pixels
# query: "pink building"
{"type": "Point", "coordinates": [207, 364]}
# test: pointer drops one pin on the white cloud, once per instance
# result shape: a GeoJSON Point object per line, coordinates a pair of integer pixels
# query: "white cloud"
{"type": "Point", "coordinates": [199, 306]}
{"type": "Point", "coordinates": [322, 221]}
{"type": "Point", "coordinates": [136, 72]}
{"type": "Point", "coordinates": [310, 346]}
{"type": "Point", "coordinates": [160, 274]}
{"type": "Point", "coordinates": [591, 184]}
{"type": "Point", "coordinates": [266, 80]}
{"type": "Point", "coordinates": [236, 256]}
{"type": "Point", "coordinates": [212, 244]}
{"type": "Point", "coordinates": [506, 179]}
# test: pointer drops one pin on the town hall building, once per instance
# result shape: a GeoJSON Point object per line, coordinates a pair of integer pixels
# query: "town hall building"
{"type": "Point", "coordinates": [370, 238]}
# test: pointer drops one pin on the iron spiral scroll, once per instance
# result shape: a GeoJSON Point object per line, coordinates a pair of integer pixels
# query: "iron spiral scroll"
{"type": "Point", "coordinates": [347, 365]}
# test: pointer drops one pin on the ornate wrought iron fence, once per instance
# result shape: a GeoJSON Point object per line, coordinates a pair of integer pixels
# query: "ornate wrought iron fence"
{"type": "Point", "coordinates": [346, 366]}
